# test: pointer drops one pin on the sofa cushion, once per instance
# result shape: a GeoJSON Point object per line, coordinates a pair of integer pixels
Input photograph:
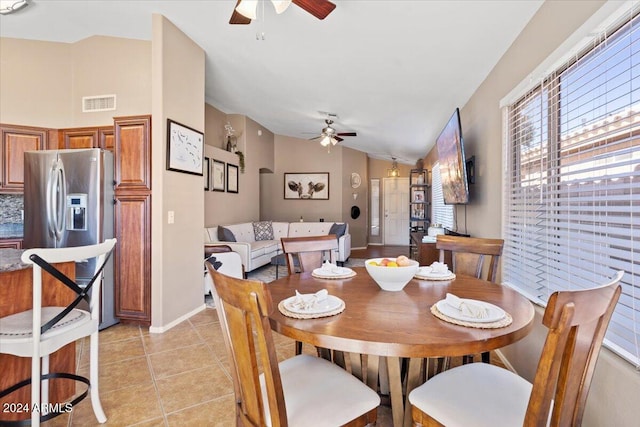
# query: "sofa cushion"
{"type": "Point", "coordinates": [338, 229]}
{"type": "Point", "coordinates": [225, 235]}
{"type": "Point", "coordinates": [263, 247]}
{"type": "Point", "coordinates": [263, 230]}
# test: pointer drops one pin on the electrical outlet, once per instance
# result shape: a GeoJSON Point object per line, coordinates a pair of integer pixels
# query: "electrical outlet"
{"type": "Point", "coordinates": [171, 217]}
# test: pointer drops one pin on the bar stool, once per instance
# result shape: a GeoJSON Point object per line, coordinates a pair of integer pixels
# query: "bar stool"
{"type": "Point", "coordinates": [41, 331]}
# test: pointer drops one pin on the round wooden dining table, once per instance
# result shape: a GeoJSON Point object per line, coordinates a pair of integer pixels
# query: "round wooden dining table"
{"type": "Point", "coordinates": [398, 325]}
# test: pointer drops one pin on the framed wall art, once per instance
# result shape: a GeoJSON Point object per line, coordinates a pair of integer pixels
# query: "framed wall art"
{"type": "Point", "coordinates": [217, 175]}
{"type": "Point", "coordinates": [232, 178]}
{"type": "Point", "coordinates": [306, 185]}
{"type": "Point", "coordinates": [185, 148]}
{"type": "Point", "coordinates": [207, 175]}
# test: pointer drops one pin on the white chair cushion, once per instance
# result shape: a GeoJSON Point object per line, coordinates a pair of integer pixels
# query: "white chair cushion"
{"type": "Point", "coordinates": [477, 394]}
{"type": "Point", "coordinates": [318, 393]}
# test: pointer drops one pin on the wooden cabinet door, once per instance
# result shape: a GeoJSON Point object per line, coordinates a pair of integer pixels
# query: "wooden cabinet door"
{"type": "Point", "coordinates": [106, 138]}
{"type": "Point", "coordinates": [133, 257]}
{"type": "Point", "coordinates": [15, 141]}
{"type": "Point", "coordinates": [133, 153]}
{"type": "Point", "coordinates": [79, 138]}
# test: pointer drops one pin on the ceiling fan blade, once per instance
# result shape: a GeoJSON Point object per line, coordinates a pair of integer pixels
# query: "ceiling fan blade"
{"type": "Point", "coordinates": [347, 134]}
{"type": "Point", "coordinates": [237, 18]}
{"type": "Point", "coordinates": [317, 137]}
{"type": "Point", "coordinates": [318, 8]}
{"type": "Point", "coordinates": [337, 138]}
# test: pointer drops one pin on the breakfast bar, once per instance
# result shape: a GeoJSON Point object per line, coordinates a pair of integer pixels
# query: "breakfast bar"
{"type": "Point", "coordinates": [16, 296]}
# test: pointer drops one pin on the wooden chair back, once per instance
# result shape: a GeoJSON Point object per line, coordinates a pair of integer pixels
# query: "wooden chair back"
{"type": "Point", "coordinates": [244, 306]}
{"type": "Point", "coordinates": [467, 254]}
{"type": "Point", "coordinates": [577, 322]}
{"type": "Point", "coordinates": [309, 251]}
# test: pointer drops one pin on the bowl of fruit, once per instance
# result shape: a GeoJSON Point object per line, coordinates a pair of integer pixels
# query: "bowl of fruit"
{"type": "Point", "coordinates": [392, 274]}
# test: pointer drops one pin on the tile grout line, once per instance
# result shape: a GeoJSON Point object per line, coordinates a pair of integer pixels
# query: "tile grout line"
{"type": "Point", "coordinates": [153, 378]}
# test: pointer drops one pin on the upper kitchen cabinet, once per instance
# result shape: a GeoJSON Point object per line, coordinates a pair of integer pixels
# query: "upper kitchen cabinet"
{"type": "Point", "coordinates": [90, 137]}
{"type": "Point", "coordinates": [15, 141]}
{"type": "Point", "coordinates": [133, 153]}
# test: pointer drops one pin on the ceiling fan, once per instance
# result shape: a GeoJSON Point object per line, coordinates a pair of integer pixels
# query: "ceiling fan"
{"type": "Point", "coordinates": [245, 10]}
{"type": "Point", "coordinates": [329, 136]}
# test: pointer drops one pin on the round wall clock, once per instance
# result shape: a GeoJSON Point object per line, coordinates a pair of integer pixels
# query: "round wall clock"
{"type": "Point", "coordinates": [355, 180]}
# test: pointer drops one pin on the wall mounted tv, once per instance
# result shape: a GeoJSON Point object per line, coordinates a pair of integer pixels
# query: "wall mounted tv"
{"type": "Point", "coordinates": [453, 165]}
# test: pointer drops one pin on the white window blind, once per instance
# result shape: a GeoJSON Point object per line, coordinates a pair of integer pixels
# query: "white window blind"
{"type": "Point", "coordinates": [442, 214]}
{"type": "Point", "coordinates": [572, 183]}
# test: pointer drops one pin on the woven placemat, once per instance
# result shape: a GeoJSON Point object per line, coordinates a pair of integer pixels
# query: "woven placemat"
{"type": "Point", "coordinates": [480, 325]}
{"type": "Point", "coordinates": [435, 278]}
{"type": "Point", "coordinates": [288, 313]}
{"type": "Point", "coordinates": [341, 276]}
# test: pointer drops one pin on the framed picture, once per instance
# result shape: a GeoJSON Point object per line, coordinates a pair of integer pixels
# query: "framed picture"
{"type": "Point", "coordinates": [205, 171]}
{"type": "Point", "coordinates": [306, 185]}
{"type": "Point", "coordinates": [418, 196]}
{"type": "Point", "coordinates": [232, 178]}
{"type": "Point", "coordinates": [217, 175]}
{"type": "Point", "coordinates": [185, 148]}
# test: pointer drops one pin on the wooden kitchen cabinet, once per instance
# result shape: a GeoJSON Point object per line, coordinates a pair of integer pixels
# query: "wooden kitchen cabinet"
{"type": "Point", "coordinates": [133, 153]}
{"type": "Point", "coordinates": [133, 257]}
{"type": "Point", "coordinates": [89, 137]}
{"type": "Point", "coordinates": [133, 218]}
{"type": "Point", "coordinates": [15, 141]}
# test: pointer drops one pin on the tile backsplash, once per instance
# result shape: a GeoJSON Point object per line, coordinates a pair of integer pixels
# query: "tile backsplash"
{"type": "Point", "coordinates": [10, 208]}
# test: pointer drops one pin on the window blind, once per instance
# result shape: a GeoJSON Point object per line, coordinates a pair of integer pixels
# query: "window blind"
{"type": "Point", "coordinates": [442, 214]}
{"type": "Point", "coordinates": [572, 182]}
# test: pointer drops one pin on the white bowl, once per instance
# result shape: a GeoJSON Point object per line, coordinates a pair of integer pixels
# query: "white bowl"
{"type": "Point", "coordinates": [391, 278]}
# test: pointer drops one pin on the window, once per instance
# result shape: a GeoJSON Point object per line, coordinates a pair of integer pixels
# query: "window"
{"type": "Point", "coordinates": [442, 214]}
{"type": "Point", "coordinates": [572, 183]}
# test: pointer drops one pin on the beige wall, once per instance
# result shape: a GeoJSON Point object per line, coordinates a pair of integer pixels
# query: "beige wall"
{"type": "Point", "coordinates": [42, 83]}
{"type": "Point", "coordinates": [355, 161]}
{"type": "Point", "coordinates": [178, 94]}
{"type": "Point", "coordinates": [616, 384]}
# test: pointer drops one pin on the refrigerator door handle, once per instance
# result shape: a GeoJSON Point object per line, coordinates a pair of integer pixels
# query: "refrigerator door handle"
{"type": "Point", "coordinates": [49, 204]}
{"type": "Point", "coordinates": [60, 211]}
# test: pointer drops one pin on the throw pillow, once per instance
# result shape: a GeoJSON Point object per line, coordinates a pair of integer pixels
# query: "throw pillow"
{"type": "Point", "coordinates": [225, 235]}
{"type": "Point", "coordinates": [338, 229]}
{"type": "Point", "coordinates": [263, 230]}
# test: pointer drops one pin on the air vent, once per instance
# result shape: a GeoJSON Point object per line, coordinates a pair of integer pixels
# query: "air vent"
{"type": "Point", "coordinates": [91, 104]}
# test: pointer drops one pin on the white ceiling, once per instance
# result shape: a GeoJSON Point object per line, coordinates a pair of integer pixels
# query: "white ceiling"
{"type": "Point", "coordinates": [392, 70]}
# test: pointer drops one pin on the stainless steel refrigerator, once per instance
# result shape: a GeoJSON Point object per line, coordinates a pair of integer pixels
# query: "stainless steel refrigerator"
{"type": "Point", "coordinates": [68, 201]}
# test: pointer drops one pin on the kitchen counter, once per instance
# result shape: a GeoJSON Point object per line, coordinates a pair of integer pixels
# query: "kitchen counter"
{"type": "Point", "coordinates": [10, 260]}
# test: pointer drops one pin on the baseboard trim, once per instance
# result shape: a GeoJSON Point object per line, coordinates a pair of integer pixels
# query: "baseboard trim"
{"type": "Point", "coordinates": [359, 248]}
{"type": "Point", "coordinates": [165, 328]}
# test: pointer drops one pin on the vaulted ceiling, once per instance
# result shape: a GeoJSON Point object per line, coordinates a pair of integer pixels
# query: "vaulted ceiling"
{"type": "Point", "coordinates": [392, 70]}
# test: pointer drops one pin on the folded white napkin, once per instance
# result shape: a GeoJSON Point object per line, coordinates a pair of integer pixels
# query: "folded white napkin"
{"type": "Point", "coordinates": [468, 308]}
{"type": "Point", "coordinates": [428, 239]}
{"type": "Point", "coordinates": [439, 267]}
{"type": "Point", "coordinates": [329, 268]}
{"type": "Point", "coordinates": [308, 301]}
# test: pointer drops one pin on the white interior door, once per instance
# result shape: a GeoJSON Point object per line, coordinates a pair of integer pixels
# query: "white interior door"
{"type": "Point", "coordinates": [396, 211]}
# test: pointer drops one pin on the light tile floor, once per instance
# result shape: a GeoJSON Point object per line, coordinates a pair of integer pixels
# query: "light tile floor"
{"type": "Point", "coordinates": [178, 378]}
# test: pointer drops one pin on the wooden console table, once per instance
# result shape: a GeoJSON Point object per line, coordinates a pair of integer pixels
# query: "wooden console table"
{"type": "Point", "coordinates": [427, 252]}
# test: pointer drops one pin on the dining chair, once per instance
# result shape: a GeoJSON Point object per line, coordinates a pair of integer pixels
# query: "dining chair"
{"type": "Point", "coordinates": [480, 394]}
{"type": "Point", "coordinates": [467, 254]}
{"type": "Point", "coordinates": [300, 391]}
{"type": "Point", "coordinates": [41, 331]}
{"type": "Point", "coordinates": [467, 257]}
{"type": "Point", "coordinates": [309, 252]}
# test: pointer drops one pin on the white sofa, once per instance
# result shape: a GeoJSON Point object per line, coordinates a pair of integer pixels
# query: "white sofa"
{"type": "Point", "coordinates": [256, 253]}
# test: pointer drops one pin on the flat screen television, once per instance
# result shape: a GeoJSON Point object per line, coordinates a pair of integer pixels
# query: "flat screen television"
{"type": "Point", "coordinates": [453, 170]}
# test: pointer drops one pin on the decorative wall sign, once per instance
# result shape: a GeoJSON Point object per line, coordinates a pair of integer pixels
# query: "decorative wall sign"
{"type": "Point", "coordinates": [232, 178]}
{"type": "Point", "coordinates": [306, 186]}
{"type": "Point", "coordinates": [184, 148]}
{"type": "Point", "coordinates": [217, 175]}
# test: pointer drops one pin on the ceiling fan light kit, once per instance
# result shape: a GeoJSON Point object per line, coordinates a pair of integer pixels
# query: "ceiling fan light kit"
{"type": "Point", "coordinates": [246, 10]}
{"type": "Point", "coordinates": [10, 6]}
